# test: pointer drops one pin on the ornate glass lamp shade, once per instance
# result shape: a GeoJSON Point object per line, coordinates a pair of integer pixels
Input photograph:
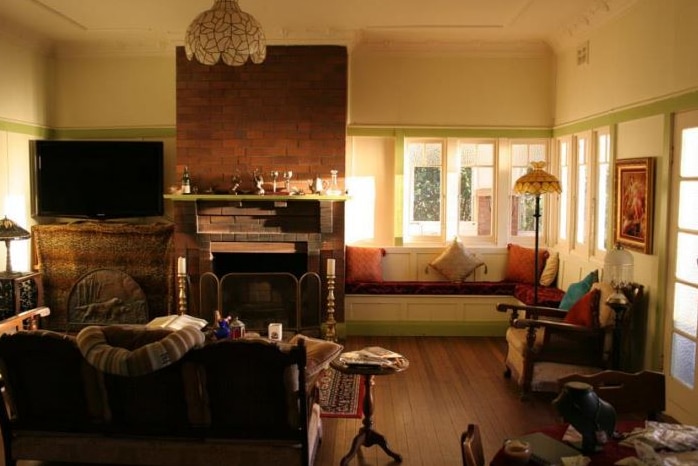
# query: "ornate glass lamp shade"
{"type": "Point", "coordinates": [537, 181]}
{"type": "Point", "coordinates": [9, 231]}
{"type": "Point", "coordinates": [225, 32]}
{"type": "Point", "coordinates": [618, 267]}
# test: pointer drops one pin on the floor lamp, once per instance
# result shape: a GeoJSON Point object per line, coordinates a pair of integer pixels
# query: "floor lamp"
{"type": "Point", "coordinates": [535, 183]}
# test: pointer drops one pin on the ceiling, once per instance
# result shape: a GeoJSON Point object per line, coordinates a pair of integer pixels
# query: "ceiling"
{"type": "Point", "coordinates": [159, 24]}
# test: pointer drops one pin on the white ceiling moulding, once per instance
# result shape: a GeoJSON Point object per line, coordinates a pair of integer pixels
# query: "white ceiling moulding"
{"type": "Point", "coordinates": [370, 42]}
{"type": "Point", "coordinates": [568, 35]}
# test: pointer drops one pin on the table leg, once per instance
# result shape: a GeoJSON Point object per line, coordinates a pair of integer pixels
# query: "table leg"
{"type": "Point", "coordinates": [368, 437]}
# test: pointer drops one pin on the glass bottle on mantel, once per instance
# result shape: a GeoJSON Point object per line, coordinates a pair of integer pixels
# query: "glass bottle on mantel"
{"type": "Point", "coordinates": [333, 189]}
{"type": "Point", "coordinates": [186, 181]}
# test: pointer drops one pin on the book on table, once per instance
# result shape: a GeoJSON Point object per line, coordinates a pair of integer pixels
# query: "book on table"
{"type": "Point", "coordinates": [547, 451]}
{"type": "Point", "coordinates": [176, 322]}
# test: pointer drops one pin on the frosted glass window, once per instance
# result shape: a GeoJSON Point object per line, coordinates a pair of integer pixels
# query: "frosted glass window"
{"type": "Point", "coordinates": [686, 309]}
{"type": "Point", "coordinates": [688, 192]}
{"type": "Point", "coordinates": [582, 180]}
{"type": "Point", "coordinates": [604, 167]}
{"type": "Point", "coordinates": [564, 184]}
{"type": "Point", "coordinates": [686, 265]}
{"type": "Point", "coordinates": [689, 149]}
{"type": "Point", "coordinates": [683, 360]}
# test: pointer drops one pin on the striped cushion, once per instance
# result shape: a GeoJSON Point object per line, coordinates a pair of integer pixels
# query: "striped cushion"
{"type": "Point", "coordinates": [101, 347]}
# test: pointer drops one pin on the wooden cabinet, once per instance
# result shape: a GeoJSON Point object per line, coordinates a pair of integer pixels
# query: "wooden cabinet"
{"type": "Point", "coordinates": [20, 291]}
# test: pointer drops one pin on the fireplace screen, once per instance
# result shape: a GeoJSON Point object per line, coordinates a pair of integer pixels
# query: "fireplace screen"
{"type": "Point", "coordinates": [259, 299]}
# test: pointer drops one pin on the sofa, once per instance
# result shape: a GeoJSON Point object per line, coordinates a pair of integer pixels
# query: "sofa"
{"type": "Point", "coordinates": [141, 396]}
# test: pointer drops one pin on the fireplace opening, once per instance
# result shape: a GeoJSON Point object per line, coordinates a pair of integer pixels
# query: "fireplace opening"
{"type": "Point", "coordinates": [265, 262]}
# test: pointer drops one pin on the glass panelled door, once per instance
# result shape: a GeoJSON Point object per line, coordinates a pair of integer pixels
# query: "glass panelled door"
{"type": "Point", "coordinates": [682, 306]}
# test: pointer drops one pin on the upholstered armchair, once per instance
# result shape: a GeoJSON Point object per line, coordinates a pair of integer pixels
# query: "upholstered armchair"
{"type": "Point", "coordinates": [545, 344]}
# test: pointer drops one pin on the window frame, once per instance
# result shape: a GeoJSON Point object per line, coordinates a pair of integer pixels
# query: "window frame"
{"type": "Point", "coordinates": [502, 195]}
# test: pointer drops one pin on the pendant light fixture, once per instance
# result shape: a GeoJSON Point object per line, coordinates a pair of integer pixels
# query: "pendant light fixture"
{"type": "Point", "coordinates": [225, 32]}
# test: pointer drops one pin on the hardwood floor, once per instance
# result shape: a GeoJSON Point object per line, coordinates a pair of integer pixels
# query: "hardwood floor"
{"type": "Point", "coordinates": [451, 381]}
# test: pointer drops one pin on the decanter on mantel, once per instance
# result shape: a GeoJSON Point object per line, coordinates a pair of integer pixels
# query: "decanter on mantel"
{"type": "Point", "coordinates": [333, 189]}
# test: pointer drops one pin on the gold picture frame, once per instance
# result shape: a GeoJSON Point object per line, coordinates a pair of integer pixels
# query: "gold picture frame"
{"type": "Point", "coordinates": [634, 203]}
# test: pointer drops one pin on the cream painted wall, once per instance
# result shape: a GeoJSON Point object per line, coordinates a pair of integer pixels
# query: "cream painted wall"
{"type": "Point", "coordinates": [115, 92]}
{"type": "Point", "coordinates": [457, 89]}
{"type": "Point", "coordinates": [25, 83]}
{"type": "Point", "coordinates": [370, 181]}
{"type": "Point", "coordinates": [645, 138]}
{"type": "Point", "coordinates": [647, 53]}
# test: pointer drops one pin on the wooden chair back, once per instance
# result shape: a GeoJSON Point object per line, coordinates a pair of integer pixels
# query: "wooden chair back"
{"type": "Point", "coordinates": [641, 393]}
{"type": "Point", "coordinates": [471, 446]}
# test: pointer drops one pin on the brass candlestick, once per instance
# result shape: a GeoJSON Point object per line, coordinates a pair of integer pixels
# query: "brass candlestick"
{"type": "Point", "coordinates": [330, 324]}
{"type": "Point", "coordinates": [182, 293]}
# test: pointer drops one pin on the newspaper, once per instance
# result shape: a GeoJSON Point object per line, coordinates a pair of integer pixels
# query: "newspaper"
{"type": "Point", "coordinates": [372, 356]}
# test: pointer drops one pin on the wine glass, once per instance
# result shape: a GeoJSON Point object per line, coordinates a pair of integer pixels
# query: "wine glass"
{"type": "Point", "coordinates": [274, 176]}
{"type": "Point", "coordinates": [287, 180]}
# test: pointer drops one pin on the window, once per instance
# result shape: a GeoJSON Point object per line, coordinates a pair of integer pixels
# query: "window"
{"type": "Point", "coordinates": [523, 207]}
{"type": "Point", "coordinates": [585, 177]}
{"type": "Point", "coordinates": [475, 169]}
{"type": "Point", "coordinates": [603, 168]}
{"type": "Point", "coordinates": [564, 156]}
{"type": "Point", "coordinates": [423, 176]}
{"type": "Point", "coordinates": [450, 188]}
{"type": "Point", "coordinates": [582, 213]}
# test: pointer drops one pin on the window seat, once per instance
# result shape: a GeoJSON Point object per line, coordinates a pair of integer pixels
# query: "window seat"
{"type": "Point", "coordinates": [398, 291]}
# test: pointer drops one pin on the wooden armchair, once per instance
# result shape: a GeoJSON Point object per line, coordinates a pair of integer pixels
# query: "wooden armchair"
{"type": "Point", "coordinates": [640, 394]}
{"type": "Point", "coordinates": [542, 347]}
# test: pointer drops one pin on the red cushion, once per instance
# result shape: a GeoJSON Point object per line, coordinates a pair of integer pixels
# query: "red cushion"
{"type": "Point", "coordinates": [364, 264]}
{"type": "Point", "coordinates": [521, 264]}
{"type": "Point", "coordinates": [581, 312]}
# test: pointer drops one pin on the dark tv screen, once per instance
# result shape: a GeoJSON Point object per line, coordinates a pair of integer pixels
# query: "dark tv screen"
{"type": "Point", "coordinates": [97, 179]}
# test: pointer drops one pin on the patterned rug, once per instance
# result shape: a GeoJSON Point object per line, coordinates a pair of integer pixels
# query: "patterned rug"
{"type": "Point", "coordinates": [341, 395]}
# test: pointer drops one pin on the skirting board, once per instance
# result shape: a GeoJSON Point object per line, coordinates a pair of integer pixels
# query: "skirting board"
{"type": "Point", "coordinates": [427, 328]}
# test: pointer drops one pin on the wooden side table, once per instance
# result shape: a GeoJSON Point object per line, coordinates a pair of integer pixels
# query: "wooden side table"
{"type": "Point", "coordinates": [19, 292]}
{"type": "Point", "coordinates": [368, 437]}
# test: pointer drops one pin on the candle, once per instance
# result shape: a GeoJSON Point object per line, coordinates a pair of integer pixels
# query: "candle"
{"type": "Point", "coordinates": [181, 266]}
{"type": "Point", "coordinates": [330, 266]}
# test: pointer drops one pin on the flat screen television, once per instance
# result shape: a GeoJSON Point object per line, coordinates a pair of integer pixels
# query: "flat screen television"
{"type": "Point", "coordinates": [97, 179]}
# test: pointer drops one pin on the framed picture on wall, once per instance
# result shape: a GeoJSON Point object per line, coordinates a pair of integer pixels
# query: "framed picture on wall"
{"type": "Point", "coordinates": [634, 199]}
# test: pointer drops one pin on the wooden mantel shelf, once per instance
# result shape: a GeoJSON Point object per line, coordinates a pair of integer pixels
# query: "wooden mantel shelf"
{"type": "Point", "coordinates": [253, 197]}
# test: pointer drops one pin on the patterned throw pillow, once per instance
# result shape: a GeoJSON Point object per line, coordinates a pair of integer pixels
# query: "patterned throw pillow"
{"type": "Point", "coordinates": [581, 312]}
{"type": "Point", "coordinates": [521, 264]}
{"type": "Point", "coordinates": [607, 316]}
{"type": "Point", "coordinates": [364, 264]}
{"type": "Point", "coordinates": [319, 353]}
{"type": "Point", "coordinates": [576, 290]}
{"type": "Point", "coordinates": [455, 263]}
{"type": "Point", "coordinates": [547, 277]}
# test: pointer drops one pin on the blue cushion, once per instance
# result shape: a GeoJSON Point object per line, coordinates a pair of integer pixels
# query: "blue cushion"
{"type": "Point", "coordinates": [576, 290]}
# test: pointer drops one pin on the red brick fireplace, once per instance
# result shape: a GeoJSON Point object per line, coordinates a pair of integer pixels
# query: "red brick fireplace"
{"type": "Point", "coordinates": [286, 114]}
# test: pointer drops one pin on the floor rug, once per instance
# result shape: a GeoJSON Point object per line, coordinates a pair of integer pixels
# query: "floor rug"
{"type": "Point", "coordinates": [341, 395]}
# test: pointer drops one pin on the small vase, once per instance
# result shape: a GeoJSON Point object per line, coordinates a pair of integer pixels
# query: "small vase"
{"type": "Point", "coordinates": [594, 418]}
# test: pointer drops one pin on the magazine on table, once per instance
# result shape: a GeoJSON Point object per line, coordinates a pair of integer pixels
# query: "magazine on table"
{"type": "Point", "coordinates": [176, 322]}
{"type": "Point", "coordinates": [372, 356]}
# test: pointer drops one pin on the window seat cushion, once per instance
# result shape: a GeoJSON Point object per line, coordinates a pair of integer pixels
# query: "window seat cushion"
{"type": "Point", "coordinates": [547, 296]}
